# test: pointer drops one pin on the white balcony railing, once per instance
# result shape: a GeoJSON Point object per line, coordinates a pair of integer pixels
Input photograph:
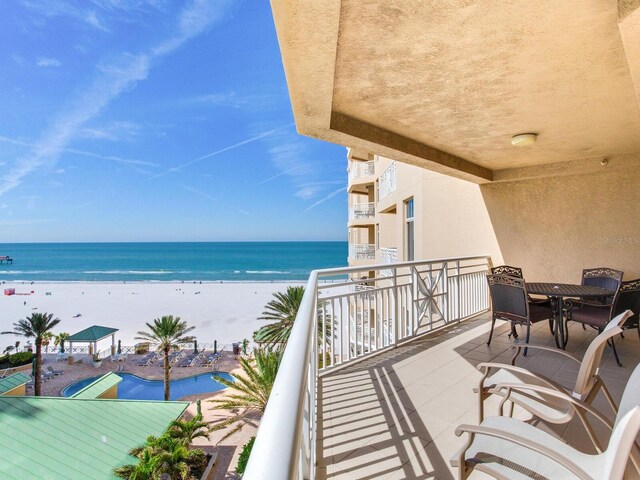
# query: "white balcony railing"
{"type": "Point", "coordinates": [359, 211]}
{"type": "Point", "coordinates": [388, 255]}
{"type": "Point", "coordinates": [355, 323]}
{"type": "Point", "coordinates": [361, 169]}
{"type": "Point", "coordinates": [362, 251]}
{"type": "Point", "coordinates": [387, 182]}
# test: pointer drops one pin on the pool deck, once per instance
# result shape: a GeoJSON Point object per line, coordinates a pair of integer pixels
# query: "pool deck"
{"type": "Point", "coordinates": [80, 371]}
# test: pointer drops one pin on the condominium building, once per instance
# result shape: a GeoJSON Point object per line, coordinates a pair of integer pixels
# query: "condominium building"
{"type": "Point", "coordinates": [399, 212]}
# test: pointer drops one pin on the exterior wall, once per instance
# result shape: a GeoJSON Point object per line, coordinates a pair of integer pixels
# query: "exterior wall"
{"type": "Point", "coordinates": [554, 227]}
{"type": "Point", "coordinates": [450, 217]}
{"type": "Point", "coordinates": [111, 393]}
{"type": "Point", "coordinates": [19, 391]}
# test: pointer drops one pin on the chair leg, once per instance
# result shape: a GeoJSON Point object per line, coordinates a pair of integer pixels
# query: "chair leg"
{"type": "Point", "coordinates": [566, 332]}
{"type": "Point", "coordinates": [513, 333]}
{"type": "Point", "coordinates": [615, 352]}
{"type": "Point", "coordinates": [493, 322]}
{"type": "Point", "coordinates": [527, 339]}
{"type": "Point", "coordinates": [551, 326]}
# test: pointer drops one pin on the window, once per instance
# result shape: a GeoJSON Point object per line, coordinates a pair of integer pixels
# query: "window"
{"type": "Point", "coordinates": [409, 230]}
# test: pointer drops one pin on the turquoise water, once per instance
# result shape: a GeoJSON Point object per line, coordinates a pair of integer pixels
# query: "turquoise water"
{"type": "Point", "coordinates": [133, 387]}
{"type": "Point", "coordinates": [231, 261]}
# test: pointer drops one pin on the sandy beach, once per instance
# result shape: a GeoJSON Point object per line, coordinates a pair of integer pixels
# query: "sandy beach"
{"type": "Point", "coordinates": [226, 312]}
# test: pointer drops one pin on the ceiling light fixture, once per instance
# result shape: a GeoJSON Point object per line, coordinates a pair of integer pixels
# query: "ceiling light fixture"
{"type": "Point", "coordinates": [524, 139]}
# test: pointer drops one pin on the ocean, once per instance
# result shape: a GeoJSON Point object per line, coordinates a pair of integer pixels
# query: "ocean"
{"type": "Point", "coordinates": [163, 262]}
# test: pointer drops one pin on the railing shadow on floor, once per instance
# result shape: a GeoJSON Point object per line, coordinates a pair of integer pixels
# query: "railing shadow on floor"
{"type": "Point", "coordinates": [400, 440]}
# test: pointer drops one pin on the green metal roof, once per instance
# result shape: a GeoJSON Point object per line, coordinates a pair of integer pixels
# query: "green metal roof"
{"type": "Point", "coordinates": [97, 388]}
{"type": "Point", "coordinates": [13, 381]}
{"type": "Point", "coordinates": [53, 437]}
{"type": "Point", "coordinates": [92, 334]}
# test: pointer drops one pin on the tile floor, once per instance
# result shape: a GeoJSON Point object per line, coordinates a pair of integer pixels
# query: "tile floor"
{"type": "Point", "coordinates": [393, 416]}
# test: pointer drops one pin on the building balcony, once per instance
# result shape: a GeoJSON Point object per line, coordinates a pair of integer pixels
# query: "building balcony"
{"type": "Point", "coordinates": [398, 374]}
{"type": "Point", "coordinates": [387, 182]}
{"type": "Point", "coordinates": [362, 211]}
{"type": "Point", "coordinates": [388, 256]}
{"type": "Point", "coordinates": [358, 169]}
{"type": "Point", "coordinates": [362, 251]}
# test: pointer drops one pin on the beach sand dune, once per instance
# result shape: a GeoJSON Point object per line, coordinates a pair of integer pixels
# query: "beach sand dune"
{"type": "Point", "coordinates": [224, 312]}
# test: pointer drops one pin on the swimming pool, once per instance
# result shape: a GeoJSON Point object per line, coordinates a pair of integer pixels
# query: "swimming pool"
{"type": "Point", "coordinates": [133, 387]}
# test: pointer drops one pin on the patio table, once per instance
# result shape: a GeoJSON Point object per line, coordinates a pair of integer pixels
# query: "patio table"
{"type": "Point", "coordinates": [557, 292]}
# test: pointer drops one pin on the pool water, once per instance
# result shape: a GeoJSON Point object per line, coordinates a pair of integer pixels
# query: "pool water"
{"type": "Point", "coordinates": [133, 387]}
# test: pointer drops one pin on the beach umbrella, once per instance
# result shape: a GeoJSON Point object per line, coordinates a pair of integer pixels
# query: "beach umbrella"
{"type": "Point", "coordinates": [119, 351]}
{"type": "Point", "coordinates": [199, 408]}
{"type": "Point", "coordinates": [33, 367]}
{"type": "Point", "coordinates": [245, 343]}
{"type": "Point", "coordinates": [215, 346]}
{"type": "Point", "coordinates": [195, 346]}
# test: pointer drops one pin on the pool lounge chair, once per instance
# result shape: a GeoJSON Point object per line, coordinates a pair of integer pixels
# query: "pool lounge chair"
{"type": "Point", "coordinates": [54, 371]}
{"type": "Point", "coordinates": [145, 361]}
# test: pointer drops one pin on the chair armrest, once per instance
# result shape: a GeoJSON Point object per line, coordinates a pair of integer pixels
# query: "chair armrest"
{"type": "Point", "coordinates": [523, 371]}
{"type": "Point", "coordinates": [526, 443]}
{"type": "Point", "coordinates": [540, 347]}
{"type": "Point", "coordinates": [576, 302]}
{"type": "Point", "coordinates": [575, 402]}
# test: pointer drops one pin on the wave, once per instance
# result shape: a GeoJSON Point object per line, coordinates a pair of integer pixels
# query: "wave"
{"type": "Point", "coordinates": [267, 272]}
{"type": "Point", "coordinates": [130, 272]}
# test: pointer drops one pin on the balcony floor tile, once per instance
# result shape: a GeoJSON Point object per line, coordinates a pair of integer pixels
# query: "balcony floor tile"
{"type": "Point", "coordinates": [393, 415]}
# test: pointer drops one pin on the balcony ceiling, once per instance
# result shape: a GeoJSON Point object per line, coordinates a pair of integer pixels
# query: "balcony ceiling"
{"type": "Point", "coordinates": [445, 85]}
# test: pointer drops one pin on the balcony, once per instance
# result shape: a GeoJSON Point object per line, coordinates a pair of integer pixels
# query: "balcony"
{"type": "Point", "coordinates": [362, 251]}
{"type": "Point", "coordinates": [387, 256]}
{"type": "Point", "coordinates": [360, 169]}
{"type": "Point", "coordinates": [362, 211]}
{"type": "Point", "coordinates": [398, 374]}
{"type": "Point", "coordinates": [387, 182]}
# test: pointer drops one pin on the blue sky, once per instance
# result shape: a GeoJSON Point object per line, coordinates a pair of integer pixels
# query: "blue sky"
{"type": "Point", "coordinates": [155, 120]}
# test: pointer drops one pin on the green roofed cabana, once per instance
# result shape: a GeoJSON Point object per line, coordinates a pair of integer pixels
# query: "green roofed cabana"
{"type": "Point", "coordinates": [104, 387]}
{"type": "Point", "coordinates": [92, 336]}
{"type": "Point", "coordinates": [14, 384]}
{"type": "Point", "coordinates": [52, 438]}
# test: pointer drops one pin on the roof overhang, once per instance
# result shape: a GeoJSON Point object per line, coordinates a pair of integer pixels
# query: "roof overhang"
{"type": "Point", "coordinates": [445, 85]}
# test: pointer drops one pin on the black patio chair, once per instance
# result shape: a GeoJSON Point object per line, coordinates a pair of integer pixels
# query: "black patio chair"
{"type": "Point", "coordinates": [509, 301]}
{"type": "Point", "coordinates": [602, 277]}
{"type": "Point", "coordinates": [597, 313]}
{"type": "Point", "coordinates": [629, 299]}
{"type": "Point", "coordinates": [517, 272]}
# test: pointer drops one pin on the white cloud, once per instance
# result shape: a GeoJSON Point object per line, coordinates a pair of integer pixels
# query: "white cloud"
{"type": "Point", "coordinates": [324, 199]}
{"type": "Point", "coordinates": [48, 62]}
{"type": "Point", "coordinates": [222, 150]}
{"type": "Point", "coordinates": [114, 78]}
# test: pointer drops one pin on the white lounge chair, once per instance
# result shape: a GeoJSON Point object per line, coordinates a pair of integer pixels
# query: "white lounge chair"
{"type": "Point", "coordinates": [551, 408]}
{"type": "Point", "coordinates": [506, 448]}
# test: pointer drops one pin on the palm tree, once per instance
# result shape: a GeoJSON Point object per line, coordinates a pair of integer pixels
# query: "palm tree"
{"type": "Point", "coordinates": [167, 332]}
{"type": "Point", "coordinates": [253, 389]}
{"type": "Point", "coordinates": [187, 430]}
{"type": "Point", "coordinates": [59, 340]}
{"type": "Point", "coordinates": [46, 340]}
{"type": "Point", "coordinates": [164, 455]}
{"type": "Point", "coordinates": [37, 325]}
{"type": "Point", "coordinates": [283, 311]}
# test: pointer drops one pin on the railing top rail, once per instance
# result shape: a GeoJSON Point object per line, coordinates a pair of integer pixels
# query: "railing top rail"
{"type": "Point", "coordinates": [385, 266]}
{"type": "Point", "coordinates": [281, 423]}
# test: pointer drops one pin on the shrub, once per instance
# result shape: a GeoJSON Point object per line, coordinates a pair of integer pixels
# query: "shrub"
{"type": "Point", "coordinates": [20, 358]}
{"type": "Point", "coordinates": [244, 456]}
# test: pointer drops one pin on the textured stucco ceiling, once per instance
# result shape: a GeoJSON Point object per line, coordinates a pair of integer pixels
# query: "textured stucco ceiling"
{"type": "Point", "coordinates": [450, 82]}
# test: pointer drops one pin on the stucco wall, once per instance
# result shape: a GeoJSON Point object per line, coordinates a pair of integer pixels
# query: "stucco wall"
{"type": "Point", "coordinates": [554, 227]}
